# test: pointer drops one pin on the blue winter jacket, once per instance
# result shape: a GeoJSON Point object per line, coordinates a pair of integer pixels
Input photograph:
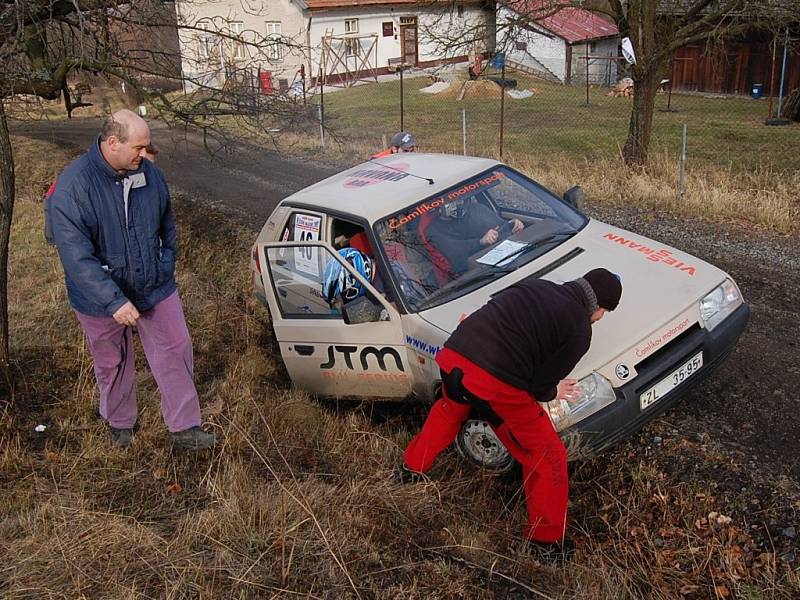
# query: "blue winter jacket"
{"type": "Point", "coordinates": [110, 259]}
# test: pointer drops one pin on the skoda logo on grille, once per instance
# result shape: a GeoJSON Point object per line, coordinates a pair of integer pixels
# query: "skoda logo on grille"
{"type": "Point", "coordinates": [622, 371]}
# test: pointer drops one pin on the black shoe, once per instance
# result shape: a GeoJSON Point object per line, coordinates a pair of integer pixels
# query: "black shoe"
{"type": "Point", "coordinates": [555, 554]}
{"type": "Point", "coordinates": [403, 475]}
{"type": "Point", "coordinates": [121, 438]}
{"type": "Point", "coordinates": [193, 439]}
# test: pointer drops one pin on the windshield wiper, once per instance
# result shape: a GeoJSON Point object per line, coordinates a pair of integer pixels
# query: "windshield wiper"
{"type": "Point", "coordinates": [532, 246]}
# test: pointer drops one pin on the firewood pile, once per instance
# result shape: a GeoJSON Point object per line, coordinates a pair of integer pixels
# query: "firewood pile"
{"type": "Point", "coordinates": [791, 110]}
{"type": "Point", "coordinates": [623, 89]}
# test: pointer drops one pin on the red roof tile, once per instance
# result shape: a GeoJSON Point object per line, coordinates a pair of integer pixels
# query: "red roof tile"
{"type": "Point", "coordinates": [569, 23]}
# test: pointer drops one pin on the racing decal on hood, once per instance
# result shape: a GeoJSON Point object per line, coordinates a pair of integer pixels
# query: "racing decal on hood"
{"type": "Point", "coordinates": [364, 177]}
{"type": "Point", "coordinates": [426, 207]}
{"type": "Point", "coordinates": [660, 339]}
{"type": "Point", "coordinates": [652, 254]}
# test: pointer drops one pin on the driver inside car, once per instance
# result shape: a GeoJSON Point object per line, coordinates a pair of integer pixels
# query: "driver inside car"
{"type": "Point", "coordinates": [463, 227]}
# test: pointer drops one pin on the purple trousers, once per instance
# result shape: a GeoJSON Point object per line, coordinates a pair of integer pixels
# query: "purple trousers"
{"type": "Point", "coordinates": [168, 349]}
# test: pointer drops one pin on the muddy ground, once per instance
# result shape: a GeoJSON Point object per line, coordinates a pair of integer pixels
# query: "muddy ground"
{"type": "Point", "coordinates": [747, 413]}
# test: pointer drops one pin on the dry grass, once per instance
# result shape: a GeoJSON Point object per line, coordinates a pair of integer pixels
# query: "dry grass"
{"type": "Point", "coordinates": [761, 197]}
{"type": "Point", "coordinates": [296, 501]}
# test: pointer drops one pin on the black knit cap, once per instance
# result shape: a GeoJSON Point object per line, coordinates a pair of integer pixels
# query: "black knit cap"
{"type": "Point", "coordinates": [607, 287]}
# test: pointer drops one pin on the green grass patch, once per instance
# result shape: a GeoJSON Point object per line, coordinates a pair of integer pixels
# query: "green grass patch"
{"type": "Point", "coordinates": [722, 131]}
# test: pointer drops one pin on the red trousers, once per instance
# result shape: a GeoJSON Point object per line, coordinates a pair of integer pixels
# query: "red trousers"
{"type": "Point", "coordinates": [526, 432]}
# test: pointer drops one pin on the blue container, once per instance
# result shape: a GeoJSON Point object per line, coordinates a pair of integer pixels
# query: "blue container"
{"type": "Point", "coordinates": [499, 60]}
{"type": "Point", "coordinates": [758, 91]}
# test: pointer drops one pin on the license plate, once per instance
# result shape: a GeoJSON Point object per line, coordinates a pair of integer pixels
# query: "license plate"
{"type": "Point", "coordinates": [671, 381]}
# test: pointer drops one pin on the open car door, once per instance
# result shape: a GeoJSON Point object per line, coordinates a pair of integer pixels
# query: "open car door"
{"type": "Point", "coordinates": [332, 350]}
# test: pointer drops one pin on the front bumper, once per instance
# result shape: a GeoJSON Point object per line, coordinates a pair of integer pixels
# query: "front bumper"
{"type": "Point", "coordinates": [625, 417]}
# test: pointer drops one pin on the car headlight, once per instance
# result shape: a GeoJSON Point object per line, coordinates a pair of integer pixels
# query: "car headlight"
{"type": "Point", "coordinates": [719, 303]}
{"type": "Point", "coordinates": [596, 392]}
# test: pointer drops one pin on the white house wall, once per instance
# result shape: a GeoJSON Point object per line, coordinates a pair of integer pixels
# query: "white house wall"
{"type": "Point", "coordinates": [545, 52]}
{"type": "Point", "coordinates": [254, 16]}
{"type": "Point", "coordinates": [542, 51]}
{"type": "Point", "coordinates": [370, 21]}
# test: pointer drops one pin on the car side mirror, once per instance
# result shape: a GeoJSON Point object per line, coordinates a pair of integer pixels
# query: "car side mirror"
{"type": "Point", "coordinates": [361, 310]}
{"type": "Point", "coordinates": [574, 196]}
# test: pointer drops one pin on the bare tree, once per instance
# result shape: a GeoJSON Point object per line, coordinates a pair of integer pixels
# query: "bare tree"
{"type": "Point", "coordinates": [45, 43]}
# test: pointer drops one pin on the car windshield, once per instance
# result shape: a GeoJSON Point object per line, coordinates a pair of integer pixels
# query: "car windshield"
{"type": "Point", "coordinates": [471, 234]}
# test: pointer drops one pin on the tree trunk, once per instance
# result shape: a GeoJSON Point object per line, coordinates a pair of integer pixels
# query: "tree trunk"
{"type": "Point", "coordinates": [640, 129]}
{"type": "Point", "coordinates": [640, 25]}
{"type": "Point", "coordinates": [6, 212]}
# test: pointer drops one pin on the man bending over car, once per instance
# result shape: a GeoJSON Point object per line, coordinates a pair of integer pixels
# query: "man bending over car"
{"type": "Point", "coordinates": [499, 363]}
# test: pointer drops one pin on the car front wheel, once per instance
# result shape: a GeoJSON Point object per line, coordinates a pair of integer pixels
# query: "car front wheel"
{"type": "Point", "coordinates": [478, 443]}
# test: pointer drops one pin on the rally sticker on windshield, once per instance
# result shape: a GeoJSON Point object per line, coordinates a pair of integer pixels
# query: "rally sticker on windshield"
{"type": "Point", "coordinates": [428, 206]}
{"type": "Point", "coordinates": [652, 254]}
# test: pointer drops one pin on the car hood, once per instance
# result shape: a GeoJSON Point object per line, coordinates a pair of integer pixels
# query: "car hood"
{"type": "Point", "coordinates": [660, 285]}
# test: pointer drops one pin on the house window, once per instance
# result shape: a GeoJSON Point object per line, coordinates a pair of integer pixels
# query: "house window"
{"type": "Point", "coordinates": [352, 45]}
{"type": "Point", "coordinates": [205, 40]}
{"type": "Point", "coordinates": [275, 45]}
{"type": "Point", "coordinates": [410, 21]}
{"type": "Point", "coordinates": [388, 28]}
{"type": "Point", "coordinates": [592, 47]}
{"type": "Point", "coordinates": [237, 27]}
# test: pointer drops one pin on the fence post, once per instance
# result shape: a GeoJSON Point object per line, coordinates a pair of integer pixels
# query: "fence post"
{"type": "Point", "coordinates": [682, 182]}
{"type": "Point", "coordinates": [464, 129]}
{"type": "Point", "coordinates": [502, 105]}
{"type": "Point", "coordinates": [783, 72]}
{"type": "Point", "coordinates": [587, 73]}
{"type": "Point", "coordinates": [321, 127]}
{"type": "Point", "coordinates": [321, 110]}
{"type": "Point", "coordinates": [778, 119]}
{"type": "Point", "coordinates": [402, 126]}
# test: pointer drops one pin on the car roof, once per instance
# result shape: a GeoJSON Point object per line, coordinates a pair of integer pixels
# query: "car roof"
{"type": "Point", "coordinates": [382, 186]}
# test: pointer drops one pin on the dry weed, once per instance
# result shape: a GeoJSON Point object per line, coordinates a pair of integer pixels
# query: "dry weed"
{"type": "Point", "coordinates": [764, 198]}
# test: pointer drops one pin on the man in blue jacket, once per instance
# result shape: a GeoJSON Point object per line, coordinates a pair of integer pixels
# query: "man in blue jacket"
{"type": "Point", "coordinates": [111, 220]}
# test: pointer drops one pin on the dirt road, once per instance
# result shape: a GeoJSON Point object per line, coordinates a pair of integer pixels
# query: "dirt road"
{"type": "Point", "coordinates": [248, 182]}
{"type": "Point", "coordinates": [750, 407]}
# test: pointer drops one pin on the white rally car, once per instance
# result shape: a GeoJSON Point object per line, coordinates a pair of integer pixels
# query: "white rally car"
{"type": "Point", "coordinates": [678, 319]}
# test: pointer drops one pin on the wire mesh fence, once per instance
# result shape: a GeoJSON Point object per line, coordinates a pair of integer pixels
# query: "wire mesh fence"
{"type": "Point", "coordinates": [512, 113]}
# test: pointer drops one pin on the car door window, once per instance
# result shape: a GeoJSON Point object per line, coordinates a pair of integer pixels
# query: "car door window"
{"type": "Point", "coordinates": [298, 277]}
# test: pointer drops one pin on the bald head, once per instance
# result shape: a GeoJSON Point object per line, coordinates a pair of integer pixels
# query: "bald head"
{"type": "Point", "coordinates": [123, 140]}
{"type": "Point", "coordinates": [120, 125]}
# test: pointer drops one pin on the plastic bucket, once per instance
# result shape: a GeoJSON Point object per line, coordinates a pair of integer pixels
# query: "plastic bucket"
{"type": "Point", "coordinates": [758, 91]}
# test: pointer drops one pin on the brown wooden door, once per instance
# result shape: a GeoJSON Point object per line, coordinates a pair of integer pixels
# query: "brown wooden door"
{"type": "Point", "coordinates": [408, 38]}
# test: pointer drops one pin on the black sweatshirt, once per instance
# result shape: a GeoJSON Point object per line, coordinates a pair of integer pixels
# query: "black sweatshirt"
{"type": "Point", "coordinates": [530, 335]}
